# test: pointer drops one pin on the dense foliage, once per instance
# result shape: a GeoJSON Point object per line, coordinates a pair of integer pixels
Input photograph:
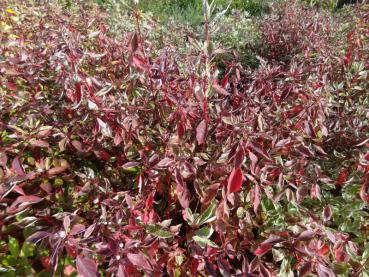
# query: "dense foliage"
{"type": "Point", "coordinates": [127, 154]}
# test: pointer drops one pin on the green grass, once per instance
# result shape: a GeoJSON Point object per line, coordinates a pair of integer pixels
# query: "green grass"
{"type": "Point", "coordinates": [188, 11]}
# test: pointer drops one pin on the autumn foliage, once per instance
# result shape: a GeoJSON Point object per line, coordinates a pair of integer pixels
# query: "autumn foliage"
{"type": "Point", "coordinates": [116, 160]}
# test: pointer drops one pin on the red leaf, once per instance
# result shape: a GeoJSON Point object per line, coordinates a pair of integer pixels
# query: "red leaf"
{"type": "Point", "coordinates": [259, 148]}
{"type": "Point", "coordinates": [220, 90]}
{"type": "Point", "coordinates": [263, 248]}
{"type": "Point", "coordinates": [210, 192]}
{"type": "Point", "coordinates": [254, 160]}
{"type": "Point", "coordinates": [224, 267]}
{"type": "Point", "coordinates": [66, 223]}
{"type": "Point", "coordinates": [138, 62]}
{"type": "Point", "coordinates": [121, 271]}
{"type": "Point", "coordinates": [12, 71]}
{"type": "Point", "coordinates": [78, 145]}
{"type": "Point", "coordinates": [134, 43]}
{"type": "Point", "coordinates": [324, 271]}
{"type": "Point", "coordinates": [23, 202]}
{"type": "Point", "coordinates": [301, 193]}
{"type": "Point", "coordinates": [182, 192]}
{"type": "Point", "coordinates": [89, 231]}
{"type": "Point", "coordinates": [364, 142]}
{"type": "Point", "coordinates": [238, 159]}
{"type": "Point", "coordinates": [184, 198]}
{"type": "Point", "coordinates": [17, 166]}
{"type": "Point", "coordinates": [305, 269]}
{"type": "Point", "coordinates": [340, 255]}
{"type": "Point", "coordinates": [3, 159]}
{"type": "Point", "coordinates": [306, 235]}
{"type": "Point", "coordinates": [11, 86]}
{"type": "Point", "coordinates": [256, 201]}
{"type": "Point", "coordinates": [348, 56]}
{"type": "Point", "coordinates": [86, 267]}
{"type": "Point", "coordinates": [78, 93]}
{"type": "Point", "coordinates": [139, 260]}
{"type": "Point", "coordinates": [315, 192]}
{"type": "Point", "coordinates": [150, 200]}
{"type": "Point", "coordinates": [130, 165]}
{"type": "Point", "coordinates": [342, 177]}
{"type": "Point", "coordinates": [117, 139]}
{"type": "Point", "coordinates": [235, 180]}
{"type": "Point", "coordinates": [323, 250]}
{"type": "Point", "coordinates": [165, 162]}
{"type": "Point", "coordinates": [225, 80]}
{"type": "Point", "coordinates": [294, 111]}
{"type": "Point", "coordinates": [309, 129]}
{"type": "Point", "coordinates": [180, 130]}
{"type": "Point", "coordinates": [19, 190]}
{"type": "Point", "coordinates": [132, 228]}
{"type": "Point", "coordinates": [77, 229]}
{"type": "Point", "coordinates": [200, 132]}
{"type": "Point", "coordinates": [327, 213]}
{"type": "Point", "coordinates": [10, 183]}
{"type": "Point", "coordinates": [364, 192]}
{"type": "Point", "coordinates": [233, 150]}
{"type": "Point", "coordinates": [264, 271]}
{"type": "Point", "coordinates": [305, 151]}
{"type": "Point", "coordinates": [57, 170]}
{"type": "Point", "coordinates": [181, 185]}
{"type": "Point", "coordinates": [39, 143]}
{"type": "Point", "coordinates": [36, 237]}
{"type": "Point", "coordinates": [102, 155]}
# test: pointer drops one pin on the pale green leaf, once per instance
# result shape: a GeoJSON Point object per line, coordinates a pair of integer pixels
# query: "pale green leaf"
{"type": "Point", "coordinates": [158, 231]}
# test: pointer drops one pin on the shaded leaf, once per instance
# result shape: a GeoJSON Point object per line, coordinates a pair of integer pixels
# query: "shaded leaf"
{"type": "Point", "coordinates": [38, 236]}
{"type": "Point", "coordinates": [86, 267]}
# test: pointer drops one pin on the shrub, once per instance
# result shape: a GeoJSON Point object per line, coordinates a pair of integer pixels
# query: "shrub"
{"type": "Point", "coordinates": [114, 160]}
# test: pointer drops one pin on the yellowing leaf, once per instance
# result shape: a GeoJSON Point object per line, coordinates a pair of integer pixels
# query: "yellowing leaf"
{"type": "Point", "coordinates": [5, 27]}
{"type": "Point", "coordinates": [12, 36]}
{"type": "Point", "coordinates": [9, 10]}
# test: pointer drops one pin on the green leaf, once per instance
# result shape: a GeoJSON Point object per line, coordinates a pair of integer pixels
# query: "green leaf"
{"type": "Point", "coordinates": [204, 241]}
{"type": "Point", "coordinates": [207, 216]}
{"type": "Point", "coordinates": [189, 216]}
{"type": "Point", "coordinates": [365, 255]}
{"type": "Point", "coordinates": [9, 261]}
{"type": "Point", "coordinates": [27, 250]}
{"type": "Point", "coordinates": [285, 270]}
{"type": "Point", "coordinates": [45, 273]}
{"type": "Point", "coordinates": [13, 247]}
{"type": "Point", "coordinates": [166, 223]}
{"type": "Point", "coordinates": [177, 272]}
{"type": "Point", "coordinates": [179, 259]}
{"type": "Point", "coordinates": [278, 255]}
{"type": "Point", "coordinates": [6, 270]}
{"type": "Point", "coordinates": [209, 91]}
{"type": "Point", "coordinates": [340, 268]}
{"type": "Point", "coordinates": [157, 231]}
{"type": "Point", "coordinates": [204, 232]}
{"type": "Point", "coordinates": [131, 169]}
{"type": "Point", "coordinates": [8, 274]}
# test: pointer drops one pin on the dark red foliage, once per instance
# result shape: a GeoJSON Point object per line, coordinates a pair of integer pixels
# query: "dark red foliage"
{"type": "Point", "coordinates": [129, 167]}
